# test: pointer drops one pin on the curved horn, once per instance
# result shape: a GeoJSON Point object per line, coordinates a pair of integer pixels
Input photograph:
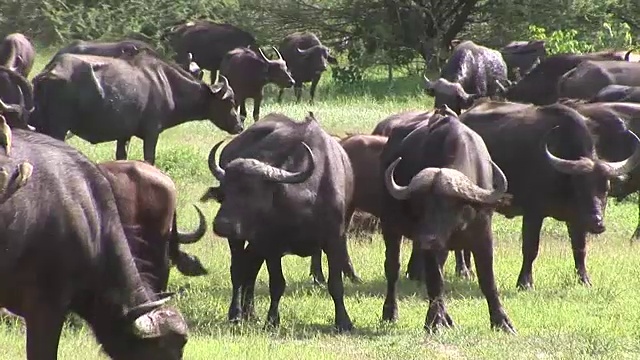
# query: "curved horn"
{"type": "Point", "coordinates": [190, 238]}
{"type": "Point", "coordinates": [571, 167]}
{"type": "Point", "coordinates": [428, 84]}
{"type": "Point", "coordinates": [277, 52]}
{"type": "Point", "coordinates": [501, 87]}
{"type": "Point", "coordinates": [303, 52]}
{"type": "Point", "coordinates": [627, 55]}
{"type": "Point", "coordinates": [24, 85]}
{"type": "Point", "coordinates": [189, 57]}
{"type": "Point", "coordinates": [455, 183]}
{"type": "Point", "coordinates": [140, 310]}
{"type": "Point", "coordinates": [225, 81]}
{"type": "Point", "coordinates": [8, 108]}
{"type": "Point", "coordinates": [263, 55]}
{"type": "Point", "coordinates": [215, 169]}
{"type": "Point", "coordinates": [275, 174]}
{"type": "Point", "coordinates": [217, 77]}
{"type": "Point", "coordinates": [622, 167]}
{"type": "Point", "coordinates": [422, 179]}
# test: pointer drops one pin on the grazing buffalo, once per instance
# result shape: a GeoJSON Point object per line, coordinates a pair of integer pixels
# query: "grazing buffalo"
{"type": "Point", "coordinates": [448, 189]}
{"type": "Point", "coordinates": [65, 250]}
{"type": "Point", "coordinates": [16, 98]}
{"type": "Point", "coordinates": [207, 42]}
{"type": "Point", "coordinates": [147, 200]}
{"type": "Point", "coordinates": [607, 122]}
{"type": "Point", "coordinates": [285, 187]}
{"type": "Point", "coordinates": [364, 153]}
{"type": "Point", "coordinates": [522, 56]}
{"type": "Point", "coordinates": [618, 93]}
{"type": "Point", "coordinates": [550, 159]}
{"type": "Point", "coordinates": [587, 79]}
{"type": "Point", "coordinates": [408, 119]}
{"type": "Point", "coordinates": [539, 86]}
{"type": "Point", "coordinates": [105, 99]}
{"type": "Point", "coordinates": [248, 72]}
{"type": "Point", "coordinates": [17, 53]}
{"type": "Point", "coordinates": [307, 59]}
{"type": "Point", "coordinates": [471, 72]}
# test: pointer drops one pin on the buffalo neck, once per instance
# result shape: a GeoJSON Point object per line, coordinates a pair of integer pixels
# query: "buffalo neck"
{"type": "Point", "coordinates": [189, 99]}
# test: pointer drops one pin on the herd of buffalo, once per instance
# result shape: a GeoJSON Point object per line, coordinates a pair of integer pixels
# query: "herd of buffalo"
{"type": "Point", "coordinates": [513, 130]}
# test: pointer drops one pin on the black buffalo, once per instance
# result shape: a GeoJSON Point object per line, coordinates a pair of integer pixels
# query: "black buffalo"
{"type": "Point", "coordinates": [16, 98]}
{"type": "Point", "coordinates": [207, 42]}
{"type": "Point", "coordinates": [284, 188]}
{"type": "Point", "coordinates": [105, 99]}
{"type": "Point", "coordinates": [522, 56]}
{"type": "Point", "coordinates": [448, 189]}
{"type": "Point", "coordinates": [471, 72]}
{"type": "Point", "coordinates": [146, 199]}
{"type": "Point", "coordinates": [65, 250]}
{"type": "Point", "coordinates": [618, 93]}
{"type": "Point", "coordinates": [540, 85]}
{"type": "Point", "coordinates": [307, 59]}
{"type": "Point", "coordinates": [549, 157]}
{"type": "Point", "coordinates": [587, 79]}
{"type": "Point", "coordinates": [17, 53]}
{"type": "Point", "coordinates": [248, 72]}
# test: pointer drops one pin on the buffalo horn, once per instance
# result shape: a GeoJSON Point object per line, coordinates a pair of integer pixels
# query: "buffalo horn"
{"type": "Point", "coordinates": [454, 183]}
{"type": "Point", "coordinates": [277, 52]}
{"type": "Point", "coordinates": [571, 167]}
{"type": "Point", "coordinates": [626, 56]}
{"type": "Point", "coordinates": [427, 83]}
{"type": "Point", "coordinates": [140, 310]}
{"type": "Point", "coordinates": [275, 174]}
{"type": "Point", "coordinates": [500, 86]}
{"type": "Point", "coordinates": [158, 323]}
{"type": "Point", "coordinates": [193, 237]}
{"type": "Point", "coordinates": [303, 52]}
{"type": "Point", "coordinates": [263, 55]}
{"type": "Point", "coordinates": [8, 108]}
{"type": "Point", "coordinates": [215, 169]}
{"type": "Point", "coordinates": [25, 87]}
{"type": "Point", "coordinates": [422, 179]}
{"type": "Point", "coordinates": [622, 167]}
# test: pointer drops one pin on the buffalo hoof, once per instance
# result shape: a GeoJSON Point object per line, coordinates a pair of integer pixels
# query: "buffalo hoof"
{"type": "Point", "coordinates": [390, 312]}
{"type": "Point", "coordinates": [234, 315]}
{"type": "Point", "coordinates": [318, 280]}
{"type": "Point", "coordinates": [437, 317]}
{"type": "Point", "coordinates": [355, 279]}
{"type": "Point", "coordinates": [344, 325]}
{"type": "Point", "coordinates": [273, 321]}
{"type": "Point", "coordinates": [525, 282]}
{"type": "Point", "coordinates": [465, 273]}
{"type": "Point", "coordinates": [249, 314]}
{"type": "Point", "coordinates": [584, 279]}
{"type": "Point", "coordinates": [504, 324]}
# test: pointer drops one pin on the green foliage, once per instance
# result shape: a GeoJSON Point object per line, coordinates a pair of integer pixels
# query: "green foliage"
{"type": "Point", "coordinates": [615, 35]}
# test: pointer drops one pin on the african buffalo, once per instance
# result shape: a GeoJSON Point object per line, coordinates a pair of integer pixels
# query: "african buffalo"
{"type": "Point", "coordinates": [618, 93]}
{"type": "Point", "coordinates": [16, 98]}
{"type": "Point", "coordinates": [104, 99]}
{"type": "Point", "coordinates": [570, 186]}
{"type": "Point", "coordinates": [522, 56]}
{"type": "Point", "coordinates": [408, 119]}
{"type": "Point", "coordinates": [248, 72]}
{"type": "Point", "coordinates": [448, 189]}
{"type": "Point", "coordinates": [539, 86]}
{"type": "Point", "coordinates": [66, 251]}
{"type": "Point", "coordinates": [307, 59]}
{"type": "Point", "coordinates": [208, 42]}
{"type": "Point", "coordinates": [284, 188]}
{"type": "Point", "coordinates": [471, 72]}
{"type": "Point", "coordinates": [587, 79]}
{"type": "Point", "coordinates": [17, 53]}
{"type": "Point", "coordinates": [146, 199]}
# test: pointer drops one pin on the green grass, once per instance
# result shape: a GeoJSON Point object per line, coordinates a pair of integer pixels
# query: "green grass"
{"type": "Point", "coordinates": [560, 319]}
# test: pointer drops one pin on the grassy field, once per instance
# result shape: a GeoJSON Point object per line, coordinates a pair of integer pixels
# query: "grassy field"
{"type": "Point", "coordinates": [560, 319]}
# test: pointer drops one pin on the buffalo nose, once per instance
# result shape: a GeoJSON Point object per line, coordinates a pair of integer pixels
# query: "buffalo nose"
{"type": "Point", "coordinates": [597, 224]}
{"type": "Point", "coordinates": [223, 227]}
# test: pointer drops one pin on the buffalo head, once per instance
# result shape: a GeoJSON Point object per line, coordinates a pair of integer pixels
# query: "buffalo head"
{"type": "Point", "coordinates": [249, 187]}
{"type": "Point", "coordinates": [450, 93]}
{"type": "Point", "coordinates": [149, 331]}
{"type": "Point", "coordinates": [317, 57]}
{"type": "Point", "coordinates": [222, 107]}
{"type": "Point", "coordinates": [590, 179]}
{"type": "Point", "coordinates": [449, 200]}
{"type": "Point", "coordinates": [19, 88]}
{"type": "Point", "coordinates": [277, 71]}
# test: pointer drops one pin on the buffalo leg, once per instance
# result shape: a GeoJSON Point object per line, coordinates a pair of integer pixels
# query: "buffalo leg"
{"type": "Point", "coordinates": [243, 108]}
{"type": "Point", "coordinates": [415, 267]}
{"type": "Point", "coordinates": [316, 268]}
{"type": "Point", "coordinates": [236, 248]}
{"type": "Point", "coordinates": [149, 148]}
{"type": "Point", "coordinates": [122, 149]}
{"type": "Point", "coordinates": [636, 234]}
{"type": "Point", "coordinates": [277, 285]}
{"type": "Point", "coordinates": [483, 255]}
{"type": "Point", "coordinates": [349, 270]}
{"type": "Point", "coordinates": [437, 313]}
{"type": "Point", "coordinates": [579, 247]}
{"type": "Point", "coordinates": [257, 101]}
{"type": "Point", "coordinates": [44, 326]}
{"type": "Point", "coordinates": [531, 225]}
{"type": "Point", "coordinates": [463, 263]}
{"type": "Point", "coordinates": [391, 272]}
{"type": "Point", "coordinates": [312, 90]}
{"type": "Point", "coordinates": [337, 255]}
{"type": "Point", "coordinates": [251, 268]}
{"type": "Point", "coordinates": [297, 89]}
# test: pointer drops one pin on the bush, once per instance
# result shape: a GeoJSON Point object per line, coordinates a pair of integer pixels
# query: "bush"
{"type": "Point", "coordinates": [612, 36]}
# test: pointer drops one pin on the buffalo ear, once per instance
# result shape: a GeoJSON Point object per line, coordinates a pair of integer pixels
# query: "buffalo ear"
{"type": "Point", "coordinates": [212, 193]}
{"type": "Point", "coordinates": [332, 60]}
